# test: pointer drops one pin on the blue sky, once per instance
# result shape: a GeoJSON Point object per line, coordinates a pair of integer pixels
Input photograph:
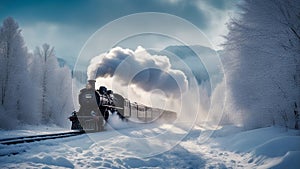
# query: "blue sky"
{"type": "Point", "coordinates": [68, 24]}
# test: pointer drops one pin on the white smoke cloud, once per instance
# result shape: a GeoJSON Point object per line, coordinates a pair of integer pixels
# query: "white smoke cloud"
{"type": "Point", "coordinates": [138, 69]}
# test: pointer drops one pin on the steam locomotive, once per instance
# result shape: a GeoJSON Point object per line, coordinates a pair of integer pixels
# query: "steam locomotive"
{"type": "Point", "coordinates": [97, 105]}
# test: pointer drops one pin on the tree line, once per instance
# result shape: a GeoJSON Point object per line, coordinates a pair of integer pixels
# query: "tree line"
{"type": "Point", "coordinates": [34, 89]}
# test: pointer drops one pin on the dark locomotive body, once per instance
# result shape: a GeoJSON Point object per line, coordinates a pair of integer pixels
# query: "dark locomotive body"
{"type": "Point", "coordinates": [97, 105]}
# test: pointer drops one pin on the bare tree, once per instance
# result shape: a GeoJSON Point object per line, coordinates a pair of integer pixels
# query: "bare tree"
{"type": "Point", "coordinates": [45, 54]}
{"type": "Point", "coordinates": [55, 83]}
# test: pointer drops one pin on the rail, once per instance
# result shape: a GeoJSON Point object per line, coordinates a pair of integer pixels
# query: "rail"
{"type": "Point", "coordinates": [33, 138]}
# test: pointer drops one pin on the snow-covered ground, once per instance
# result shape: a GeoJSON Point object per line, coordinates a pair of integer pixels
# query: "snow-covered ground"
{"type": "Point", "coordinates": [31, 130]}
{"type": "Point", "coordinates": [158, 146]}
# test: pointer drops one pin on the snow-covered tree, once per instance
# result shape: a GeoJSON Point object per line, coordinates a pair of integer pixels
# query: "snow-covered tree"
{"type": "Point", "coordinates": [15, 81]}
{"type": "Point", "coordinates": [34, 89]}
{"type": "Point", "coordinates": [46, 61]}
{"type": "Point", "coordinates": [261, 56]}
{"type": "Point", "coordinates": [62, 96]}
{"type": "Point", "coordinates": [55, 85]}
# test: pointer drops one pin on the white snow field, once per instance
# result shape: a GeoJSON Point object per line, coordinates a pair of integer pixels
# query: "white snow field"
{"type": "Point", "coordinates": [157, 146]}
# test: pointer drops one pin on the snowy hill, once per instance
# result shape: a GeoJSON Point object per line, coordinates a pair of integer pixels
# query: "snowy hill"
{"type": "Point", "coordinates": [196, 63]}
{"type": "Point", "coordinates": [197, 59]}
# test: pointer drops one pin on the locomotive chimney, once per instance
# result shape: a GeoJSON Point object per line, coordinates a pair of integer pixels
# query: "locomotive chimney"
{"type": "Point", "coordinates": [92, 83]}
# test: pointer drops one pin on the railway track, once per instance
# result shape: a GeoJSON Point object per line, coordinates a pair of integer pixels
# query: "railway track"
{"type": "Point", "coordinates": [33, 138]}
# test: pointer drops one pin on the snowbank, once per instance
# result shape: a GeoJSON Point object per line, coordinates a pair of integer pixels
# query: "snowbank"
{"type": "Point", "coordinates": [265, 147]}
{"type": "Point", "coordinates": [227, 147]}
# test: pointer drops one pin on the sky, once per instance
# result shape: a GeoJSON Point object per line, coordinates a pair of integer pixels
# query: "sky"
{"type": "Point", "coordinates": [67, 25]}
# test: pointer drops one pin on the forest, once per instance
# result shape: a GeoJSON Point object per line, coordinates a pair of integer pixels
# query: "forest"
{"type": "Point", "coordinates": [35, 89]}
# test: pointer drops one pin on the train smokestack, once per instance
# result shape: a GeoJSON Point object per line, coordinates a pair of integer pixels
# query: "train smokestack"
{"type": "Point", "coordinates": [92, 83]}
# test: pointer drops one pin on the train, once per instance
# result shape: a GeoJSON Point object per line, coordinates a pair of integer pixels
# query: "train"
{"type": "Point", "coordinates": [96, 106]}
